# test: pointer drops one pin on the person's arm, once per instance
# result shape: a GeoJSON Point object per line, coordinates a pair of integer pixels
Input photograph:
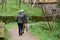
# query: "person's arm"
{"type": "Point", "coordinates": [25, 24]}
{"type": "Point", "coordinates": [25, 19]}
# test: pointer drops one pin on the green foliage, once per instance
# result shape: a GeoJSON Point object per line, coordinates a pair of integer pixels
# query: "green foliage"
{"type": "Point", "coordinates": [7, 26]}
{"type": "Point", "coordinates": [39, 30]}
{"type": "Point", "coordinates": [12, 9]}
{"type": "Point", "coordinates": [59, 3]}
{"type": "Point", "coordinates": [5, 34]}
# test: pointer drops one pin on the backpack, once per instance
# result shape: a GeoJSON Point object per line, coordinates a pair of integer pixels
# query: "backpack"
{"type": "Point", "coordinates": [20, 18]}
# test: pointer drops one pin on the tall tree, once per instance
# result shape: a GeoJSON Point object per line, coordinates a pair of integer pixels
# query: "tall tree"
{"type": "Point", "coordinates": [18, 2]}
{"type": "Point", "coordinates": [0, 2]}
{"type": "Point", "coordinates": [3, 4]}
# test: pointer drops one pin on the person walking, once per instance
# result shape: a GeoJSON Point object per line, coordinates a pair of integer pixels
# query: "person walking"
{"type": "Point", "coordinates": [21, 20]}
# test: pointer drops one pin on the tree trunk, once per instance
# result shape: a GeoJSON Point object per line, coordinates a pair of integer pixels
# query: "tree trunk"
{"type": "Point", "coordinates": [19, 3]}
{"type": "Point", "coordinates": [2, 3]}
{"type": "Point", "coordinates": [5, 4]}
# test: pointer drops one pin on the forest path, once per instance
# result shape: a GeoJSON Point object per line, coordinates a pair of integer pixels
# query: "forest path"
{"type": "Point", "coordinates": [13, 34]}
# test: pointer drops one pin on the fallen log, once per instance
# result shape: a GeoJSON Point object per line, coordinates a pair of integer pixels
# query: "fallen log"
{"type": "Point", "coordinates": [43, 18]}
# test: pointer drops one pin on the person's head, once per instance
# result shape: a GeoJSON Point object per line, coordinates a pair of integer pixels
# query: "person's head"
{"type": "Point", "coordinates": [21, 11]}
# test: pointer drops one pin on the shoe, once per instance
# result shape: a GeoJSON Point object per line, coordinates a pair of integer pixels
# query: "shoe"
{"type": "Point", "coordinates": [20, 34]}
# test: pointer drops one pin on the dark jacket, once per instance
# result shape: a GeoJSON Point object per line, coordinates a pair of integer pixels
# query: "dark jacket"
{"type": "Point", "coordinates": [21, 18]}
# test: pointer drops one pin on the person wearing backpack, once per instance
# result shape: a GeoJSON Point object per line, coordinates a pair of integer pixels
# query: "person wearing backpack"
{"type": "Point", "coordinates": [21, 20]}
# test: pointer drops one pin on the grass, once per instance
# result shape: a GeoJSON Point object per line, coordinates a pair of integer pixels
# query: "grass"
{"type": "Point", "coordinates": [7, 26]}
{"type": "Point", "coordinates": [38, 30]}
{"type": "Point", "coordinates": [11, 24]}
{"type": "Point", "coordinates": [5, 34]}
{"type": "Point", "coordinates": [12, 9]}
{"type": "Point", "coordinates": [43, 34]}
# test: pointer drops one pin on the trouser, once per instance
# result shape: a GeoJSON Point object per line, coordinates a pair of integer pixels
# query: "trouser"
{"type": "Point", "coordinates": [20, 27]}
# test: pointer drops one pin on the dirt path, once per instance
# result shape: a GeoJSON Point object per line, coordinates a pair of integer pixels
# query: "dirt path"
{"type": "Point", "coordinates": [13, 35]}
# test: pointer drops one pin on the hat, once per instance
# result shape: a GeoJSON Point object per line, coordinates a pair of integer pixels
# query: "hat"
{"type": "Point", "coordinates": [21, 10]}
